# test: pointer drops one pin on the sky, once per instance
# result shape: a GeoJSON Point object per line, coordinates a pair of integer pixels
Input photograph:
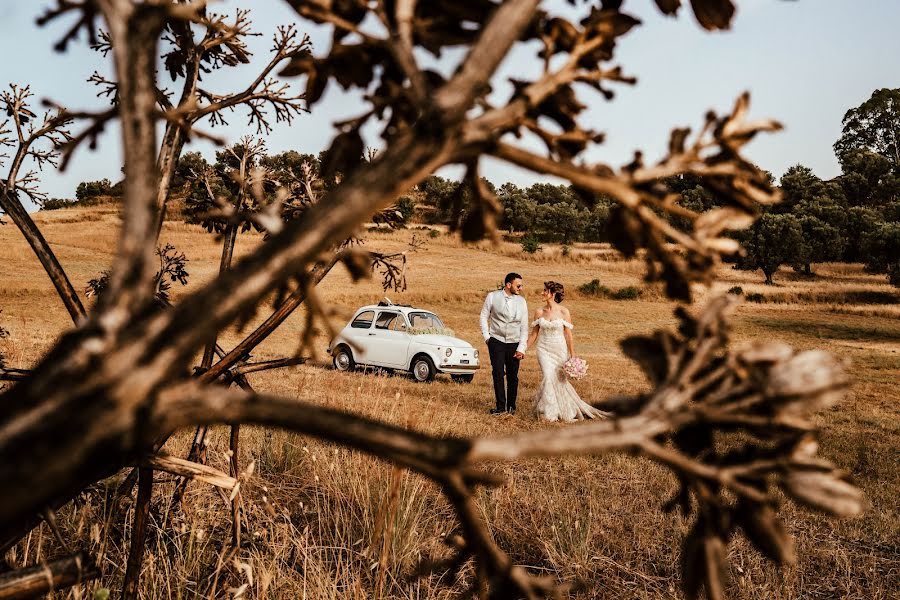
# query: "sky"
{"type": "Point", "coordinates": [804, 62]}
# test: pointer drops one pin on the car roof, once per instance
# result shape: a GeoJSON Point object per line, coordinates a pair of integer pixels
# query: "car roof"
{"type": "Point", "coordinates": [397, 307]}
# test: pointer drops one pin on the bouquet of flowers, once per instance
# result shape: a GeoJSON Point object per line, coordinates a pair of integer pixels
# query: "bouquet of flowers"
{"type": "Point", "coordinates": [575, 368]}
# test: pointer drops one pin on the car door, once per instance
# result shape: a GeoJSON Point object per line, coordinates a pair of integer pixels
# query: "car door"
{"type": "Point", "coordinates": [392, 340]}
{"type": "Point", "coordinates": [358, 335]}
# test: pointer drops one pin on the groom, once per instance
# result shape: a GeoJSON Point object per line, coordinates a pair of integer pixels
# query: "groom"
{"type": "Point", "coordinates": [504, 327]}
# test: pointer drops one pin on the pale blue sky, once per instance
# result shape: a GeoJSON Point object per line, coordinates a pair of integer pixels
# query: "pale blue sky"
{"type": "Point", "coordinates": [805, 63]}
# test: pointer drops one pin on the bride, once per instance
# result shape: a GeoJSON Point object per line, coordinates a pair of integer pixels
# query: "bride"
{"type": "Point", "coordinates": [556, 399]}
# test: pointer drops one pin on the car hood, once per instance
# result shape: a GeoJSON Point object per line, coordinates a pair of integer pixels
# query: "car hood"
{"type": "Point", "coordinates": [433, 339]}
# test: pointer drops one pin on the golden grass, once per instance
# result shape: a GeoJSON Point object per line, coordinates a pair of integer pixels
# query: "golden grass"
{"type": "Point", "coordinates": [320, 517]}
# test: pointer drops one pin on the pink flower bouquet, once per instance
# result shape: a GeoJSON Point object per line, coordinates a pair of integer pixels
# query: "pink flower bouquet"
{"type": "Point", "coordinates": [575, 368]}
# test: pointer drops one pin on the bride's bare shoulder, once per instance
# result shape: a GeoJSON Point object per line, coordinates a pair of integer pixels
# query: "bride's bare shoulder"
{"type": "Point", "coordinates": [538, 313]}
{"type": "Point", "coordinates": [566, 314]}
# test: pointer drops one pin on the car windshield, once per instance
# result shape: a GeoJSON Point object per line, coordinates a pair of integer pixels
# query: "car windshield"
{"type": "Point", "coordinates": [424, 320]}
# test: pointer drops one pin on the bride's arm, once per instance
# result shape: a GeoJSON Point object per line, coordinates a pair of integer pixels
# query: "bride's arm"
{"type": "Point", "coordinates": [535, 329]}
{"type": "Point", "coordinates": [567, 333]}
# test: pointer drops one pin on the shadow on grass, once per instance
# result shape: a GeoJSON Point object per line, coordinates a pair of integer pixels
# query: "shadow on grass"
{"type": "Point", "coordinates": [829, 330]}
{"type": "Point", "coordinates": [826, 297]}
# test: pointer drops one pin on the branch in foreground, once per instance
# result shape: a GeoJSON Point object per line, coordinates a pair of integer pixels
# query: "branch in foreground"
{"type": "Point", "coordinates": [59, 574]}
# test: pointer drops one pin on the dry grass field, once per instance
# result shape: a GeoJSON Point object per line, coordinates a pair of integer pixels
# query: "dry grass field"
{"type": "Point", "coordinates": [325, 522]}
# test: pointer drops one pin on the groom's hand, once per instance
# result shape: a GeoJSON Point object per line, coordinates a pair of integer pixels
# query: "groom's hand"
{"type": "Point", "coordinates": [519, 355]}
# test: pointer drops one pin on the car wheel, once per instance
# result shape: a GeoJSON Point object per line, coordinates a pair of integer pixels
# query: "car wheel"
{"type": "Point", "coordinates": [423, 369]}
{"type": "Point", "coordinates": [343, 359]}
{"type": "Point", "coordinates": [463, 378]}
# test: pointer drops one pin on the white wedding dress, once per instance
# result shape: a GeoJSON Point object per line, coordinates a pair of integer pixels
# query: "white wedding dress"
{"type": "Point", "coordinates": [556, 399]}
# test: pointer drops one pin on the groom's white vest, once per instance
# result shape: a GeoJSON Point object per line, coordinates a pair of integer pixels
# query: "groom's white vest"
{"type": "Point", "coordinates": [505, 318]}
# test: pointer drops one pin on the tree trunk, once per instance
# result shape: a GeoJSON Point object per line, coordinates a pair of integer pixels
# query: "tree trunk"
{"type": "Point", "coordinates": [12, 207]}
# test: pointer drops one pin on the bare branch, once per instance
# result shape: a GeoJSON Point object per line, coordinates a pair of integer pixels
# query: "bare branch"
{"type": "Point", "coordinates": [48, 577]}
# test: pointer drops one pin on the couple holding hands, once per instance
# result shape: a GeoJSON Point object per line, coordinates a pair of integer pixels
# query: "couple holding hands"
{"type": "Point", "coordinates": [505, 329]}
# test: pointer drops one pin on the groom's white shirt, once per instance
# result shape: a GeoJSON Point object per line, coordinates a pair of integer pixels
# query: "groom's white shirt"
{"type": "Point", "coordinates": [504, 317]}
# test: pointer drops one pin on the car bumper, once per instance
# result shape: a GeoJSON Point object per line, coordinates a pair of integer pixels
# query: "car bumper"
{"type": "Point", "coordinates": [458, 369]}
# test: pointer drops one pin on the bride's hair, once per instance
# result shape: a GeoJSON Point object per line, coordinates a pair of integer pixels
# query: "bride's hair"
{"type": "Point", "coordinates": [557, 289]}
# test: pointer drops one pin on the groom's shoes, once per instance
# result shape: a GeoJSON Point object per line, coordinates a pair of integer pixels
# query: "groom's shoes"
{"type": "Point", "coordinates": [497, 412]}
{"type": "Point", "coordinates": [512, 411]}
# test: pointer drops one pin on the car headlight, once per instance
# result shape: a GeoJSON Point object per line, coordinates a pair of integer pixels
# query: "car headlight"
{"type": "Point", "coordinates": [448, 352]}
{"type": "Point", "coordinates": [476, 354]}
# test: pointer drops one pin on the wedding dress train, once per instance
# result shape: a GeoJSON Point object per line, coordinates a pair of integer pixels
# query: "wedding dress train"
{"type": "Point", "coordinates": [556, 399]}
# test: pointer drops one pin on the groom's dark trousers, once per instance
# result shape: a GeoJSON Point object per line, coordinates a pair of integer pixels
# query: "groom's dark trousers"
{"type": "Point", "coordinates": [504, 362]}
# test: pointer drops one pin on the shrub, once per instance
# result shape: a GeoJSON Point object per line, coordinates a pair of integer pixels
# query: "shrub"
{"type": "Point", "coordinates": [736, 290]}
{"type": "Point", "coordinates": [755, 297]}
{"type": "Point", "coordinates": [594, 288]}
{"type": "Point", "coordinates": [434, 233]}
{"type": "Point", "coordinates": [406, 206]}
{"type": "Point", "coordinates": [531, 244]}
{"type": "Point", "coordinates": [627, 293]}
{"type": "Point", "coordinates": [566, 250]}
{"type": "Point", "coordinates": [57, 203]}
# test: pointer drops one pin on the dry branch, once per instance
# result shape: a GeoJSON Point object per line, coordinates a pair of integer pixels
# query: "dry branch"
{"type": "Point", "coordinates": [190, 470]}
{"type": "Point", "coordinates": [39, 580]}
{"type": "Point", "coordinates": [108, 392]}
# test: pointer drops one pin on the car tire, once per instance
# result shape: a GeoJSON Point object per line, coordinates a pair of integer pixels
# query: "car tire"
{"type": "Point", "coordinates": [423, 369]}
{"type": "Point", "coordinates": [467, 378]}
{"type": "Point", "coordinates": [343, 359]}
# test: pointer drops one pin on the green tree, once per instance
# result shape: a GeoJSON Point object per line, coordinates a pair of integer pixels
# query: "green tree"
{"type": "Point", "coordinates": [596, 229]}
{"type": "Point", "coordinates": [821, 242]}
{"type": "Point", "coordinates": [190, 165]}
{"type": "Point", "coordinates": [775, 239]}
{"type": "Point", "coordinates": [882, 246]}
{"type": "Point", "coordinates": [800, 184]}
{"type": "Point", "coordinates": [891, 212]}
{"type": "Point", "coordinates": [875, 125]}
{"type": "Point", "coordinates": [562, 221]}
{"type": "Point", "coordinates": [88, 190]}
{"type": "Point", "coordinates": [861, 222]}
{"type": "Point", "coordinates": [868, 178]}
{"type": "Point", "coordinates": [548, 193]}
{"type": "Point", "coordinates": [518, 210]}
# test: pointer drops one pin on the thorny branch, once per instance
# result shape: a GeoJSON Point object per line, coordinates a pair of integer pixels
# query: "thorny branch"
{"type": "Point", "coordinates": [39, 144]}
{"type": "Point", "coordinates": [731, 423]}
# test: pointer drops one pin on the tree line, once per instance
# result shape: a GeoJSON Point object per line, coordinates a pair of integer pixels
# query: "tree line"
{"type": "Point", "coordinates": [854, 217]}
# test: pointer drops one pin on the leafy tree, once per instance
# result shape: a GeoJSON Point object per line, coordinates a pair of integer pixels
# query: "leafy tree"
{"type": "Point", "coordinates": [821, 242]}
{"type": "Point", "coordinates": [882, 246]}
{"type": "Point", "coordinates": [874, 125]}
{"type": "Point", "coordinates": [562, 221]}
{"type": "Point", "coordinates": [88, 190]}
{"type": "Point", "coordinates": [190, 165]}
{"type": "Point", "coordinates": [596, 227]}
{"type": "Point", "coordinates": [518, 209]}
{"type": "Point", "coordinates": [800, 184]}
{"type": "Point", "coordinates": [775, 239]}
{"type": "Point", "coordinates": [406, 206]}
{"type": "Point", "coordinates": [891, 212]}
{"type": "Point", "coordinates": [548, 193]}
{"type": "Point", "coordinates": [868, 179]}
{"type": "Point", "coordinates": [861, 222]}
{"type": "Point", "coordinates": [823, 220]}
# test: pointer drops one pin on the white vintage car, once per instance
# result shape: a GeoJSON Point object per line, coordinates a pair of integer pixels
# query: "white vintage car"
{"type": "Point", "coordinates": [401, 337]}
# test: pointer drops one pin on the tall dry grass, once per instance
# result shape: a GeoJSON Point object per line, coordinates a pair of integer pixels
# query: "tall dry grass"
{"type": "Point", "coordinates": [326, 522]}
